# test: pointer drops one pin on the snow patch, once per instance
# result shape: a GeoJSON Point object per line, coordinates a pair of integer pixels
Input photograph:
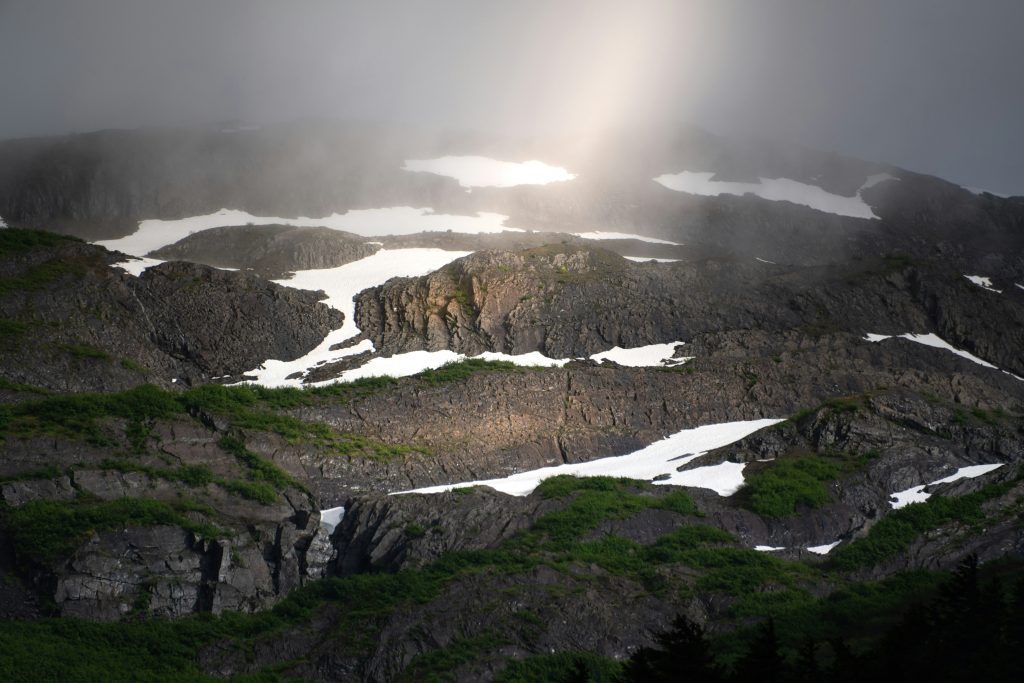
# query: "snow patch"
{"type": "Point", "coordinates": [756, 258]}
{"type": "Point", "coordinates": [658, 459]}
{"type": "Point", "coordinates": [777, 189]}
{"type": "Point", "coordinates": [983, 282]}
{"type": "Point", "coordinates": [601, 235]}
{"type": "Point", "coordinates": [331, 517]}
{"type": "Point", "coordinates": [476, 171]}
{"type": "Point", "coordinates": [3, 223]}
{"type": "Point", "coordinates": [725, 478]}
{"type": "Point", "coordinates": [917, 494]}
{"type": "Point", "coordinates": [652, 355]}
{"type": "Point", "coordinates": [135, 266]}
{"type": "Point", "coordinates": [934, 341]}
{"type": "Point", "coordinates": [397, 220]}
{"type": "Point", "coordinates": [647, 259]}
{"type": "Point", "coordinates": [341, 284]}
{"type": "Point", "coordinates": [824, 549]}
{"type": "Point", "coordinates": [768, 548]}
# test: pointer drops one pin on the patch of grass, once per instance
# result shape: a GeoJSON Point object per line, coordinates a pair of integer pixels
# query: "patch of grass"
{"type": "Point", "coordinates": [19, 240]}
{"type": "Point", "coordinates": [41, 275]}
{"type": "Point", "coordinates": [440, 664]}
{"type": "Point", "coordinates": [12, 328]}
{"type": "Point", "coordinates": [261, 470]}
{"type": "Point", "coordinates": [49, 530]}
{"type": "Point", "coordinates": [84, 351]}
{"type": "Point", "coordinates": [777, 490]}
{"type": "Point", "coordinates": [895, 532]}
{"type": "Point", "coordinates": [460, 370]}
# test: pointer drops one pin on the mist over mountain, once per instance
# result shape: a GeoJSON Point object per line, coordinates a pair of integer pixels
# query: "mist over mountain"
{"type": "Point", "coordinates": [561, 341]}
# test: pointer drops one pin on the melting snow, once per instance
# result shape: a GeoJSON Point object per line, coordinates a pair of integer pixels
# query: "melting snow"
{"type": "Point", "coordinates": [777, 189]}
{"type": "Point", "coordinates": [725, 478]}
{"type": "Point", "coordinates": [646, 259]}
{"type": "Point", "coordinates": [135, 266]}
{"type": "Point", "coordinates": [769, 548]}
{"type": "Point", "coordinates": [398, 220]}
{"type": "Point", "coordinates": [330, 517]}
{"type": "Point", "coordinates": [824, 549]}
{"type": "Point", "coordinates": [934, 341]}
{"type": "Point", "coordinates": [3, 224]}
{"type": "Point", "coordinates": [917, 494]}
{"type": "Point", "coordinates": [474, 171]}
{"type": "Point", "coordinates": [643, 356]}
{"type": "Point", "coordinates": [984, 283]}
{"type": "Point", "coordinates": [341, 284]}
{"type": "Point", "coordinates": [601, 235]}
{"type": "Point", "coordinates": [659, 458]}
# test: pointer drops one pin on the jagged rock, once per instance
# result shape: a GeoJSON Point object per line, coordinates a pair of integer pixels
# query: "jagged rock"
{"type": "Point", "coordinates": [177, 323]}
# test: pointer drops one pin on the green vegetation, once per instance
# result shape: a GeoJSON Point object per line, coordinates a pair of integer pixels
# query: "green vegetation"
{"type": "Point", "coordinates": [460, 370]}
{"type": "Point", "coordinates": [777, 488]}
{"type": "Point", "coordinates": [83, 351]}
{"type": "Point", "coordinates": [897, 530]}
{"type": "Point", "coordinates": [776, 491]}
{"type": "Point", "coordinates": [19, 240]}
{"type": "Point", "coordinates": [440, 664]}
{"type": "Point", "coordinates": [41, 275]}
{"type": "Point", "coordinates": [49, 530]}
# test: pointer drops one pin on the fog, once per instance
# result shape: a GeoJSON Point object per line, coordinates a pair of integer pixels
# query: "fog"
{"type": "Point", "coordinates": [932, 85]}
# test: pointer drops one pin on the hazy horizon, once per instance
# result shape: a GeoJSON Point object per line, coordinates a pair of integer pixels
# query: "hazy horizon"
{"type": "Point", "coordinates": [930, 85]}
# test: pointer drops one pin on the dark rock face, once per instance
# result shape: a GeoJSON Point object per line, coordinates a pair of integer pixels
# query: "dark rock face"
{"type": "Point", "coordinates": [567, 302]}
{"type": "Point", "coordinates": [270, 250]}
{"type": "Point", "coordinates": [76, 324]}
{"type": "Point", "coordinates": [225, 322]}
{"type": "Point", "coordinates": [261, 551]}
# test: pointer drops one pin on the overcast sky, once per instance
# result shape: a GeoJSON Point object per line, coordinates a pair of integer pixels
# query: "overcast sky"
{"type": "Point", "coordinates": [932, 85]}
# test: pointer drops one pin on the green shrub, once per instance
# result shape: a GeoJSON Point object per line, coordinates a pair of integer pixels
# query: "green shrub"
{"type": "Point", "coordinates": [778, 489]}
{"type": "Point", "coordinates": [49, 530]}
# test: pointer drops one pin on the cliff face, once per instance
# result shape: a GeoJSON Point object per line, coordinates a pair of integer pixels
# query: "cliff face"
{"type": "Point", "coordinates": [572, 302]}
{"type": "Point", "coordinates": [74, 323]}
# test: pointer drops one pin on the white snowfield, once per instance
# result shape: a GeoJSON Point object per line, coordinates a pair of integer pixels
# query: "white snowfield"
{"type": "Point", "coordinates": [777, 189]}
{"type": "Point", "coordinates": [397, 220]}
{"type": "Point", "coordinates": [330, 518]}
{"type": "Point", "coordinates": [652, 355]}
{"type": "Point", "coordinates": [341, 284]}
{"type": "Point", "coordinates": [646, 259]}
{"type": "Point", "coordinates": [658, 459]}
{"type": "Point", "coordinates": [934, 341]}
{"type": "Point", "coordinates": [769, 548]}
{"type": "Point", "coordinates": [824, 549]}
{"type": "Point", "coordinates": [413, 362]}
{"type": "Point", "coordinates": [602, 235]}
{"type": "Point", "coordinates": [984, 283]}
{"type": "Point", "coordinates": [136, 265]}
{"type": "Point", "coordinates": [477, 171]}
{"type": "Point", "coordinates": [917, 494]}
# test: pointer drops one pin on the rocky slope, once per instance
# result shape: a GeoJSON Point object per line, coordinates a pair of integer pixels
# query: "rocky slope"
{"type": "Point", "coordinates": [72, 322]}
{"type": "Point", "coordinates": [569, 302]}
{"type": "Point", "coordinates": [270, 250]}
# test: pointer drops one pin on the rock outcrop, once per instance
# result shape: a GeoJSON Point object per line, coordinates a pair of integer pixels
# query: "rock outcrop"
{"type": "Point", "coordinates": [72, 322]}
